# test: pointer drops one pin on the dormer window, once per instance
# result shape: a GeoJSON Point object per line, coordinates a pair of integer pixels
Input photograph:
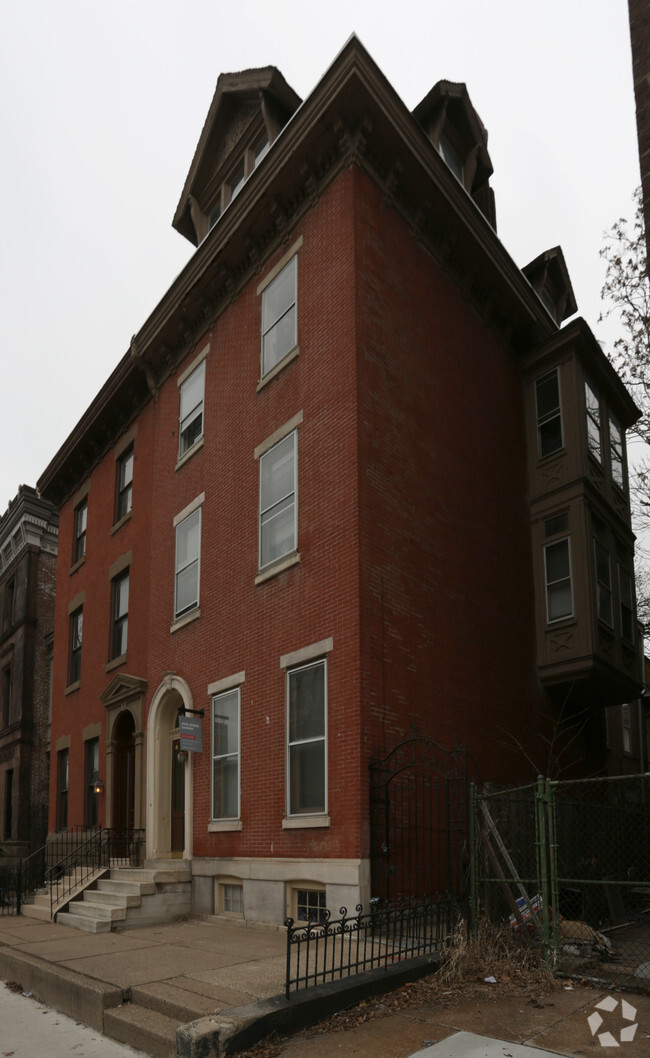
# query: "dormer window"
{"type": "Point", "coordinates": [237, 179]}
{"type": "Point", "coordinates": [451, 157]}
{"type": "Point", "coordinates": [448, 118]}
{"type": "Point", "coordinates": [261, 149]}
{"type": "Point", "coordinates": [548, 302]}
{"type": "Point", "coordinates": [549, 278]}
{"type": "Point", "coordinates": [231, 188]}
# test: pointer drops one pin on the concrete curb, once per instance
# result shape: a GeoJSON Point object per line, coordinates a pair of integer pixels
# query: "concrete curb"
{"type": "Point", "coordinates": [80, 997]}
{"type": "Point", "coordinates": [241, 1027]}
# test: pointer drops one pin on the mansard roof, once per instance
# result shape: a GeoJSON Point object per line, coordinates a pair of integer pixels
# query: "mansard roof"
{"type": "Point", "coordinates": [353, 116]}
{"type": "Point", "coordinates": [238, 100]}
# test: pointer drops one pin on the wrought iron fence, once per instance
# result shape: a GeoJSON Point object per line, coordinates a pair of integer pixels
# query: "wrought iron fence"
{"type": "Point", "coordinates": [568, 863]}
{"type": "Point", "coordinates": [319, 952]}
{"type": "Point", "coordinates": [9, 889]}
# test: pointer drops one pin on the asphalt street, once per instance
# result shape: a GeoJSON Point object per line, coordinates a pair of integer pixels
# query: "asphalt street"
{"type": "Point", "coordinates": [31, 1029]}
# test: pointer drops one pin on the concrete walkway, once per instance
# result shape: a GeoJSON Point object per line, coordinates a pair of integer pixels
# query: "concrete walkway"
{"type": "Point", "coordinates": [196, 988]}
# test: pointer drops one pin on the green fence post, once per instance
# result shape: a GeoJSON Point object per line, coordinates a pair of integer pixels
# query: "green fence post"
{"type": "Point", "coordinates": [554, 933]}
{"type": "Point", "coordinates": [473, 862]}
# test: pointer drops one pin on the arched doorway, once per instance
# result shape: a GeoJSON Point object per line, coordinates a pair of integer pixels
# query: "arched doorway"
{"type": "Point", "coordinates": [123, 777]}
{"type": "Point", "coordinates": [169, 777]}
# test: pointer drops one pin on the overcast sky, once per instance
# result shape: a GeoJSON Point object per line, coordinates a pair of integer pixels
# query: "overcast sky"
{"type": "Point", "coordinates": [102, 104]}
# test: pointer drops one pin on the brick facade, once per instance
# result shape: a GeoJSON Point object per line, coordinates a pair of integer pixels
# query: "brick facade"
{"type": "Point", "coordinates": [411, 584]}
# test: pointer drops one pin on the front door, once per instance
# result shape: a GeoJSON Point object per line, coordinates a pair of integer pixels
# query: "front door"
{"type": "Point", "coordinates": [178, 801]}
{"type": "Point", "coordinates": [123, 783]}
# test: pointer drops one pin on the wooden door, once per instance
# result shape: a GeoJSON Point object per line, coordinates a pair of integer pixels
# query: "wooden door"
{"type": "Point", "coordinates": [178, 802]}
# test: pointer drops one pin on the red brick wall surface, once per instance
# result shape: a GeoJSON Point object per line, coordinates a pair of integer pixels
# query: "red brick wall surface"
{"type": "Point", "coordinates": [447, 590]}
{"type": "Point", "coordinates": [71, 713]}
{"type": "Point", "coordinates": [412, 531]}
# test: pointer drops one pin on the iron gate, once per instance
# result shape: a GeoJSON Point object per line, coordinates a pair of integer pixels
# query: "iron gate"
{"type": "Point", "coordinates": [418, 813]}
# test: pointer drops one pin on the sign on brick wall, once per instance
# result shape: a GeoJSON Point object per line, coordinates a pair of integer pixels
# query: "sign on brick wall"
{"type": "Point", "coordinates": [189, 729]}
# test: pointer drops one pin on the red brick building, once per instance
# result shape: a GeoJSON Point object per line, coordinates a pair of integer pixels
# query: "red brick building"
{"type": "Point", "coordinates": [28, 546]}
{"type": "Point", "coordinates": [350, 479]}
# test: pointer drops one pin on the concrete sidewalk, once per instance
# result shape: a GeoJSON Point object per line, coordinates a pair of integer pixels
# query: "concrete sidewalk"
{"type": "Point", "coordinates": [197, 988]}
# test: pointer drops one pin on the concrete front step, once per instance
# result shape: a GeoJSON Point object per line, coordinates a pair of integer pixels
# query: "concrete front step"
{"type": "Point", "coordinates": [108, 898]}
{"type": "Point", "coordinates": [122, 886]}
{"type": "Point", "coordinates": [37, 911]}
{"type": "Point", "coordinates": [166, 871]}
{"type": "Point", "coordinates": [89, 909]}
{"type": "Point", "coordinates": [143, 1029]}
{"type": "Point", "coordinates": [88, 925]}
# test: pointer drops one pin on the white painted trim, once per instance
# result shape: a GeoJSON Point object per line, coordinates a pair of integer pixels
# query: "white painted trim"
{"type": "Point", "coordinates": [157, 743]}
{"type": "Point", "coordinates": [316, 650]}
{"type": "Point", "coordinates": [278, 435]}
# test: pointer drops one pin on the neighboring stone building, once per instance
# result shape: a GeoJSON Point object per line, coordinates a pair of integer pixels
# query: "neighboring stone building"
{"type": "Point", "coordinates": [28, 547]}
{"type": "Point", "coordinates": [351, 476]}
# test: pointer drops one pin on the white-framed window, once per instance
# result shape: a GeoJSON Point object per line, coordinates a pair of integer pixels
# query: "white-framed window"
{"type": "Point", "coordinates": [192, 393]}
{"type": "Point", "coordinates": [549, 413]}
{"type": "Point", "coordinates": [124, 484]}
{"type": "Point", "coordinates": [626, 596]}
{"type": "Point", "coordinates": [559, 593]}
{"type": "Point", "coordinates": [307, 739]}
{"type": "Point", "coordinates": [278, 525]}
{"type": "Point", "coordinates": [120, 615]}
{"type": "Point", "coordinates": [616, 445]}
{"type": "Point", "coordinates": [279, 316]}
{"type": "Point", "coordinates": [225, 755]}
{"type": "Point", "coordinates": [80, 526]}
{"type": "Point", "coordinates": [594, 438]}
{"type": "Point", "coordinates": [74, 648]}
{"type": "Point", "coordinates": [603, 584]}
{"type": "Point", "coordinates": [229, 896]}
{"type": "Point", "coordinates": [188, 561]}
{"type": "Point", "coordinates": [307, 903]}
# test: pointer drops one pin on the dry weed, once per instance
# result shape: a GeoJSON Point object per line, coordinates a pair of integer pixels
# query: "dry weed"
{"type": "Point", "coordinates": [496, 951]}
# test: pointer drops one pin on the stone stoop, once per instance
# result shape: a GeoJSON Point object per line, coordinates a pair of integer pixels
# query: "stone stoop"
{"type": "Point", "coordinates": [40, 907]}
{"type": "Point", "coordinates": [150, 1020]}
{"type": "Point", "coordinates": [161, 891]}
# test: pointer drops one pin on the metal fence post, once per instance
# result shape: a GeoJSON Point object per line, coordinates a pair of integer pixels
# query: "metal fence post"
{"type": "Point", "coordinates": [473, 862]}
{"type": "Point", "coordinates": [554, 933]}
{"type": "Point", "coordinates": [19, 886]}
{"type": "Point", "coordinates": [542, 865]}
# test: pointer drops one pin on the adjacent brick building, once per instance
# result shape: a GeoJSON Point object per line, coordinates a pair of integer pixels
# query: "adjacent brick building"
{"type": "Point", "coordinates": [350, 478]}
{"type": "Point", "coordinates": [28, 547]}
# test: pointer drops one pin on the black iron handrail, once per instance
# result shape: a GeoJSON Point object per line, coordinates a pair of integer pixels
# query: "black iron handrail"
{"type": "Point", "coordinates": [104, 848]}
{"type": "Point", "coordinates": [31, 871]}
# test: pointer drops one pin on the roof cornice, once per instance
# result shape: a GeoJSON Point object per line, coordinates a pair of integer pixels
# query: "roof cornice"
{"type": "Point", "coordinates": [353, 116]}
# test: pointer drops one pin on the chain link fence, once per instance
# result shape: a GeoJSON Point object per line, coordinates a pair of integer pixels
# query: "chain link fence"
{"type": "Point", "coordinates": [568, 864]}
